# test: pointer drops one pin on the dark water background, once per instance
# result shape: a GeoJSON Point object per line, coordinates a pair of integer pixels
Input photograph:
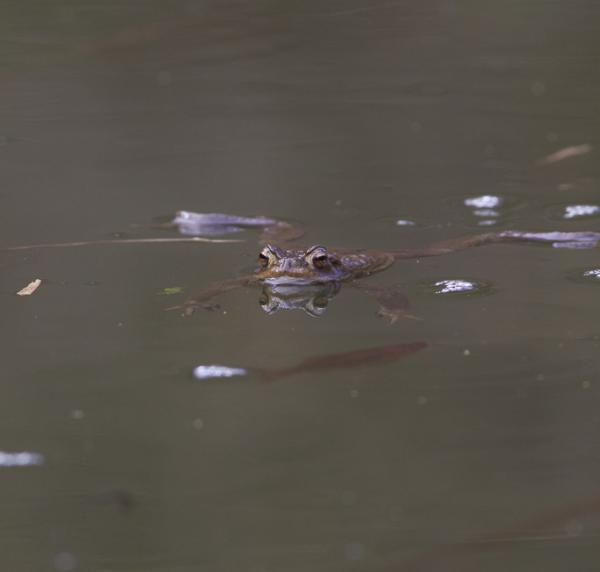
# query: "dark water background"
{"type": "Point", "coordinates": [345, 116]}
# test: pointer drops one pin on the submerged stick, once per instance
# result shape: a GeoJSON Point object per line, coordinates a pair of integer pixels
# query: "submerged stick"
{"type": "Point", "coordinates": [120, 241]}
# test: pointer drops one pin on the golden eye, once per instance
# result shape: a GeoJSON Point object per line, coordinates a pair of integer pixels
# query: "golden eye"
{"type": "Point", "coordinates": [318, 257]}
{"type": "Point", "coordinates": [263, 260]}
{"type": "Point", "coordinates": [319, 261]}
{"type": "Point", "coordinates": [269, 255]}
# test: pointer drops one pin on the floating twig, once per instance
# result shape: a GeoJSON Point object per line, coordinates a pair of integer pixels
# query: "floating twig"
{"type": "Point", "coordinates": [121, 241]}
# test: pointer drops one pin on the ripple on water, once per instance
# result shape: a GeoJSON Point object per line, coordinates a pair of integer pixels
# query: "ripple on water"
{"type": "Point", "coordinates": [460, 286]}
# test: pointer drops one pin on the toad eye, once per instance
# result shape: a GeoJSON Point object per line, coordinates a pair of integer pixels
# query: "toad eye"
{"type": "Point", "coordinates": [318, 257]}
{"type": "Point", "coordinates": [319, 261]}
{"type": "Point", "coordinates": [267, 256]}
{"type": "Point", "coordinates": [263, 260]}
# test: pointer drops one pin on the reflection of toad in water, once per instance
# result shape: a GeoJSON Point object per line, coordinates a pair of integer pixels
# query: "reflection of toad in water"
{"type": "Point", "coordinates": [312, 299]}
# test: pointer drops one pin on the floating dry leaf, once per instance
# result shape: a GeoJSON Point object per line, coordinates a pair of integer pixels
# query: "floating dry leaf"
{"type": "Point", "coordinates": [30, 288]}
{"type": "Point", "coordinates": [565, 153]}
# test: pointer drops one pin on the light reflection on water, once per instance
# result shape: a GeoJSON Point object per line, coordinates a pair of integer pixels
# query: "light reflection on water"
{"type": "Point", "coordinates": [22, 459]}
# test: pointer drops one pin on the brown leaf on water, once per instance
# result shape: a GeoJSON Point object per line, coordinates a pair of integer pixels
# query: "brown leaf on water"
{"type": "Point", "coordinates": [30, 288]}
{"type": "Point", "coordinates": [565, 153]}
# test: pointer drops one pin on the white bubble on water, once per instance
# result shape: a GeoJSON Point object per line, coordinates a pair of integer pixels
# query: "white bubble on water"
{"type": "Point", "coordinates": [575, 211]}
{"type": "Point", "coordinates": [217, 371]}
{"type": "Point", "coordinates": [449, 286]}
{"type": "Point", "coordinates": [594, 273]}
{"type": "Point", "coordinates": [484, 202]}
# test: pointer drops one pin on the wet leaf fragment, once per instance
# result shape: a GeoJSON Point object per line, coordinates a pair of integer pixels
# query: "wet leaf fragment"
{"type": "Point", "coordinates": [565, 153]}
{"type": "Point", "coordinates": [30, 288]}
{"type": "Point", "coordinates": [171, 290]}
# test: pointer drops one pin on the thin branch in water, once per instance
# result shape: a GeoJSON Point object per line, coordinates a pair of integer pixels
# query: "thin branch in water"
{"type": "Point", "coordinates": [120, 241]}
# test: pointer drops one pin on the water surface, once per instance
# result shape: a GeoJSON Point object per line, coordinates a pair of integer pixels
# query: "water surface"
{"type": "Point", "coordinates": [347, 116]}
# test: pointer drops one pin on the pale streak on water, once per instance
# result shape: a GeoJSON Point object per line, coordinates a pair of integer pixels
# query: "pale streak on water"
{"type": "Point", "coordinates": [347, 117]}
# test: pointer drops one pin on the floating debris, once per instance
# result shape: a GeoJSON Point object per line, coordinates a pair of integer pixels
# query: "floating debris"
{"type": "Point", "coordinates": [595, 273]}
{"type": "Point", "coordinates": [576, 211]}
{"type": "Point", "coordinates": [22, 459]}
{"type": "Point", "coordinates": [122, 241]}
{"type": "Point", "coordinates": [171, 291]}
{"type": "Point", "coordinates": [402, 222]}
{"type": "Point", "coordinates": [217, 371]}
{"type": "Point", "coordinates": [565, 153]}
{"type": "Point", "coordinates": [209, 224]}
{"type": "Point", "coordinates": [569, 240]}
{"type": "Point", "coordinates": [484, 202]}
{"type": "Point", "coordinates": [30, 288]}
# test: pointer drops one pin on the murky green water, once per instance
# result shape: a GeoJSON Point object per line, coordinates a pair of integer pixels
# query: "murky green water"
{"type": "Point", "coordinates": [346, 116]}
